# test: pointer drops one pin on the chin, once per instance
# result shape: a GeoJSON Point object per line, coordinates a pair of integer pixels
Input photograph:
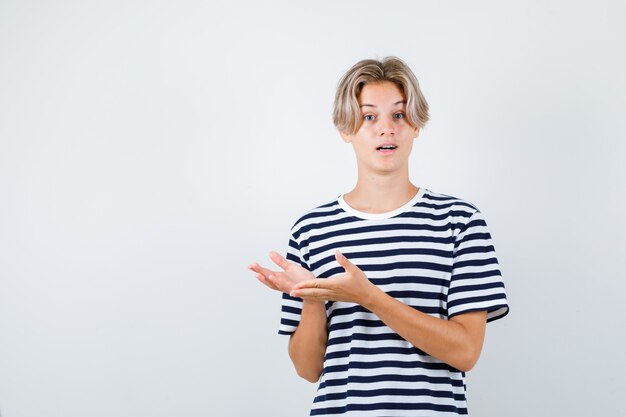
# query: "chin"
{"type": "Point", "coordinates": [388, 170]}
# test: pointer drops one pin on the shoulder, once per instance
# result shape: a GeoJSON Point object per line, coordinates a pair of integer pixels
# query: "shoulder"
{"type": "Point", "coordinates": [448, 202]}
{"type": "Point", "coordinates": [459, 212]}
{"type": "Point", "coordinates": [321, 213]}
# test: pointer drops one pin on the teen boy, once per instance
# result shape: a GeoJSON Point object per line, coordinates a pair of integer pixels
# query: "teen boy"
{"type": "Point", "coordinates": [386, 289]}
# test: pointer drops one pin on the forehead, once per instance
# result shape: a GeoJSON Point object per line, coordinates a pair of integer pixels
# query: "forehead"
{"type": "Point", "coordinates": [379, 94]}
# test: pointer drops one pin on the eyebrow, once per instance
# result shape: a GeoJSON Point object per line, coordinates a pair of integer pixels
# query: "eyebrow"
{"type": "Point", "coordinates": [371, 105]}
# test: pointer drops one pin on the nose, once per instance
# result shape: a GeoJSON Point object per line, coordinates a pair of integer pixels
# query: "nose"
{"type": "Point", "coordinates": [386, 126]}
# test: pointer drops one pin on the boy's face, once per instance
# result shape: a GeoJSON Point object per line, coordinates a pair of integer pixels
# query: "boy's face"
{"type": "Point", "coordinates": [384, 124]}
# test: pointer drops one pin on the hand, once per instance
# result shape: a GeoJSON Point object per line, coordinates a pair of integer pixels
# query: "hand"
{"type": "Point", "coordinates": [279, 280]}
{"type": "Point", "coordinates": [352, 286]}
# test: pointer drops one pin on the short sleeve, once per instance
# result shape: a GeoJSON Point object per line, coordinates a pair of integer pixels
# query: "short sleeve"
{"type": "Point", "coordinates": [291, 307]}
{"type": "Point", "coordinates": [476, 283]}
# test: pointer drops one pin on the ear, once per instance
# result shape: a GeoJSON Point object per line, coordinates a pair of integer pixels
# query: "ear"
{"type": "Point", "coordinates": [416, 133]}
{"type": "Point", "coordinates": [346, 138]}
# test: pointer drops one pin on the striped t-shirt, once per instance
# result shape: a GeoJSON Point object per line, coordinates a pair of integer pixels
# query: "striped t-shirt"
{"type": "Point", "coordinates": [434, 254]}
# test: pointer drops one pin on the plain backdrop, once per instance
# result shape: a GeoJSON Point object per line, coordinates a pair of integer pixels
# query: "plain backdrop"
{"type": "Point", "coordinates": [151, 150]}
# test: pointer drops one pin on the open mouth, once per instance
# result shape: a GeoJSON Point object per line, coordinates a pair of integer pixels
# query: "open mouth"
{"type": "Point", "coordinates": [386, 148]}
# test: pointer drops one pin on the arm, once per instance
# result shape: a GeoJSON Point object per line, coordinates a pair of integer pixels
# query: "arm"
{"type": "Point", "coordinates": [307, 345]}
{"type": "Point", "coordinates": [457, 341]}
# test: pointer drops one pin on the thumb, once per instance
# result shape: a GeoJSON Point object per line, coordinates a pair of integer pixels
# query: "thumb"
{"type": "Point", "coordinates": [343, 261]}
{"type": "Point", "coordinates": [279, 260]}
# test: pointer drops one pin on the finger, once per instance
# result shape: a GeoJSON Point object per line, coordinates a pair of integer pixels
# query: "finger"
{"type": "Point", "coordinates": [281, 281]}
{"type": "Point", "coordinates": [265, 281]}
{"type": "Point", "coordinates": [261, 270]}
{"type": "Point", "coordinates": [278, 279]}
{"type": "Point", "coordinates": [324, 283]}
{"type": "Point", "coordinates": [270, 281]}
{"type": "Point", "coordinates": [255, 267]}
{"type": "Point", "coordinates": [312, 293]}
{"type": "Point", "coordinates": [279, 260]}
{"type": "Point", "coordinates": [345, 262]}
{"type": "Point", "coordinates": [312, 283]}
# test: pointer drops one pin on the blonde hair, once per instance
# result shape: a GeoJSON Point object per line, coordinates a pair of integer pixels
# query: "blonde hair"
{"type": "Point", "coordinates": [346, 112]}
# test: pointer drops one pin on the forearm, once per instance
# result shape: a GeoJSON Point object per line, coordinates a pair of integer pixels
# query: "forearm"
{"type": "Point", "coordinates": [307, 345]}
{"type": "Point", "coordinates": [447, 340]}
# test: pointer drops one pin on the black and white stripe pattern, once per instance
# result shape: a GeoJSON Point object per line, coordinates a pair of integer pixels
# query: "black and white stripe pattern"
{"type": "Point", "coordinates": [434, 254]}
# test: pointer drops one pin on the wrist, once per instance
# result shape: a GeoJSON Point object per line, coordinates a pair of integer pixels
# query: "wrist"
{"type": "Point", "coordinates": [313, 304]}
{"type": "Point", "coordinates": [372, 297]}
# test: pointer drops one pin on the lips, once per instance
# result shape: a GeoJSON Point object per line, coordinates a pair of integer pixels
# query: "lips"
{"type": "Point", "coordinates": [386, 147]}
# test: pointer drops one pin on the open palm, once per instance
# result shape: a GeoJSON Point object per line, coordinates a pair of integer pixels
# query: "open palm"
{"type": "Point", "coordinates": [284, 280]}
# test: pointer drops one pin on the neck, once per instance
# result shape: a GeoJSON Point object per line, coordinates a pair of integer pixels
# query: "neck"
{"type": "Point", "coordinates": [381, 192]}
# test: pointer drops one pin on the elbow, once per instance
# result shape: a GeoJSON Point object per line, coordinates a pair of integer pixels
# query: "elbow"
{"type": "Point", "coordinates": [305, 369]}
{"type": "Point", "coordinates": [465, 366]}
{"type": "Point", "coordinates": [308, 366]}
{"type": "Point", "coordinates": [467, 360]}
{"type": "Point", "coordinates": [311, 375]}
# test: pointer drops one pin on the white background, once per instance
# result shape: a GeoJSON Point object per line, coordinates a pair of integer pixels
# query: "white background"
{"type": "Point", "coordinates": [151, 150]}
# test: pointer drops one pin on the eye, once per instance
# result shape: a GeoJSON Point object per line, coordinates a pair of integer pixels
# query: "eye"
{"type": "Point", "coordinates": [368, 117]}
{"type": "Point", "coordinates": [399, 115]}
